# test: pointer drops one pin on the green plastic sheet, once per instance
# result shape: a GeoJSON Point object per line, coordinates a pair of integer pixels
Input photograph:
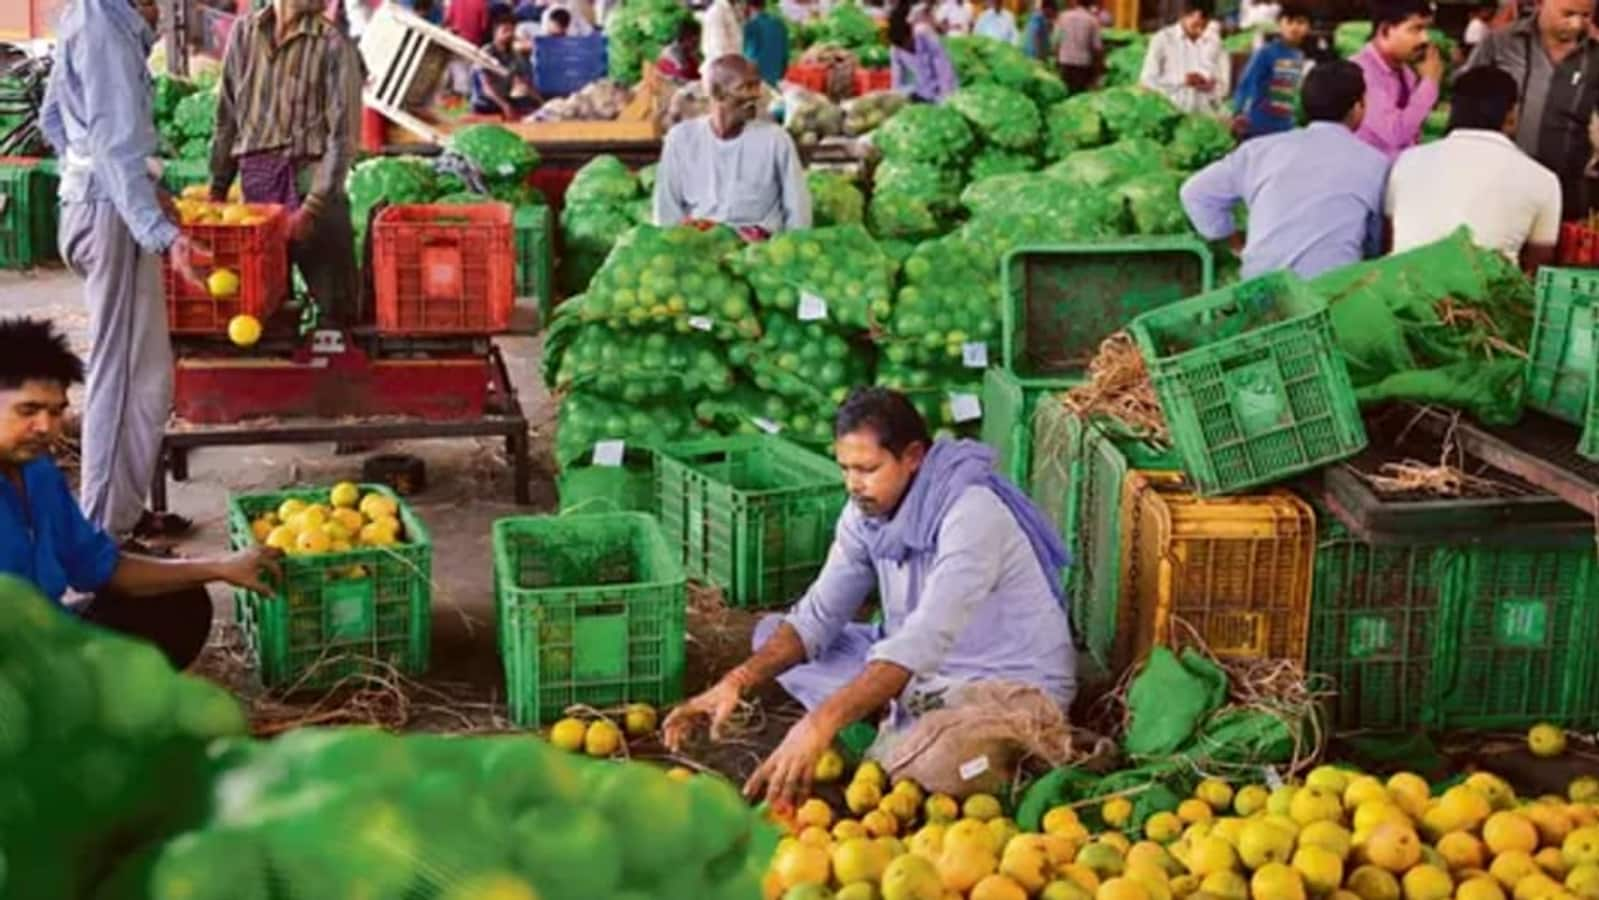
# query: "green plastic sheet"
{"type": "Point", "coordinates": [1392, 321]}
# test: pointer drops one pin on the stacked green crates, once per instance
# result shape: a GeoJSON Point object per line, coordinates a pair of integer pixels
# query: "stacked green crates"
{"type": "Point", "coordinates": [752, 514]}
{"type": "Point", "coordinates": [28, 213]}
{"type": "Point", "coordinates": [1563, 366]}
{"type": "Point", "coordinates": [590, 611]}
{"type": "Point", "coordinates": [1523, 621]}
{"type": "Point", "coordinates": [535, 257]}
{"type": "Point", "coordinates": [1078, 471]}
{"type": "Point", "coordinates": [1251, 383]}
{"type": "Point", "coordinates": [1059, 303]}
{"type": "Point", "coordinates": [1373, 626]}
{"type": "Point", "coordinates": [338, 615]}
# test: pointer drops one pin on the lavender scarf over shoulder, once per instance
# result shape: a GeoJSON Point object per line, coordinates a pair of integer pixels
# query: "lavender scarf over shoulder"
{"type": "Point", "coordinates": [952, 466]}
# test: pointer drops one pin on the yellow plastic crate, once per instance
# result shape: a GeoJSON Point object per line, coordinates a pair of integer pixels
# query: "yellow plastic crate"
{"type": "Point", "coordinates": [1232, 572]}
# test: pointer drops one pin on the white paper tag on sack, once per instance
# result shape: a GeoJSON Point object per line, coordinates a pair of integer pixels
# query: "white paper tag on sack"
{"type": "Point", "coordinates": [965, 407]}
{"type": "Point", "coordinates": [701, 323]}
{"type": "Point", "coordinates": [506, 169]}
{"type": "Point", "coordinates": [973, 767]}
{"type": "Point", "coordinates": [1270, 776]}
{"type": "Point", "coordinates": [768, 426]}
{"type": "Point", "coordinates": [811, 307]}
{"type": "Point", "coordinates": [974, 354]}
{"type": "Point", "coordinates": [609, 453]}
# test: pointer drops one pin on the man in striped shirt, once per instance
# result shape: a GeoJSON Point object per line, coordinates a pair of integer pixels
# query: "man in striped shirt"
{"type": "Point", "coordinates": [288, 113]}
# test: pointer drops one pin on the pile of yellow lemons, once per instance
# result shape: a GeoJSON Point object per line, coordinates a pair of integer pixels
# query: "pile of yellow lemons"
{"type": "Point", "coordinates": [602, 738]}
{"type": "Point", "coordinates": [1339, 835]}
{"type": "Point", "coordinates": [201, 211]}
{"type": "Point", "coordinates": [348, 520]}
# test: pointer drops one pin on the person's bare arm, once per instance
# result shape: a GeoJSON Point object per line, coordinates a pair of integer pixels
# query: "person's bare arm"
{"type": "Point", "coordinates": [785, 776]}
{"type": "Point", "coordinates": [781, 652]}
{"type": "Point", "coordinates": [144, 575]}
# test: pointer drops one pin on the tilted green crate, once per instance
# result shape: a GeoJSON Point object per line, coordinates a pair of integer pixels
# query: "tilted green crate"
{"type": "Point", "coordinates": [1251, 383]}
{"type": "Point", "coordinates": [28, 213]}
{"type": "Point", "coordinates": [1563, 362]}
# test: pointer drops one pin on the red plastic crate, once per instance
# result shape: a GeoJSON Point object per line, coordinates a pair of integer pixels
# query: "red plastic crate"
{"type": "Point", "coordinates": [258, 254]}
{"type": "Point", "coordinates": [444, 269]}
{"type": "Point", "coordinates": [813, 78]}
{"type": "Point", "coordinates": [1579, 245]}
{"type": "Point", "coordinates": [869, 80]}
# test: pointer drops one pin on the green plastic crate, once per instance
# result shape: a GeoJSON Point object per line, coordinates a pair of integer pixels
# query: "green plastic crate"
{"type": "Point", "coordinates": [1078, 470]}
{"type": "Point", "coordinates": [28, 213]}
{"type": "Point", "coordinates": [177, 174]}
{"type": "Point", "coordinates": [1251, 383]}
{"type": "Point", "coordinates": [629, 487]}
{"type": "Point", "coordinates": [1007, 423]}
{"type": "Point", "coordinates": [1589, 445]}
{"type": "Point", "coordinates": [327, 624]}
{"type": "Point", "coordinates": [535, 257]}
{"type": "Point", "coordinates": [590, 611]}
{"type": "Point", "coordinates": [1374, 611]}
{"type": "Point", "coordinates": [1525, 651]}
{"type": "Point", "coordinates": [1564, 358]}
{"type": "Point", "coordinates": [1062, 301]}
{"type": "Point", "coordinates": [752, 514]}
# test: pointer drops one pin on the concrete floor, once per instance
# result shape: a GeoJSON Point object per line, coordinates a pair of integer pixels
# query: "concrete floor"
{"type": "Point", "coordinates": [469, 486]}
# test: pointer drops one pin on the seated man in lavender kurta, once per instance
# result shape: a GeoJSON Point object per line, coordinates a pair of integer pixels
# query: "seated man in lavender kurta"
{"type": "Point", "coordinates": [969, 573]}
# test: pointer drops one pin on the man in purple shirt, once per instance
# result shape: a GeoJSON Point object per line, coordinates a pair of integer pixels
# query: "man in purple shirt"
{"type": "Point", "coordinates": [1314, 194]}
{"type": "Point", "coordinates": [969, 577]}
{"type": "Point", "coordinates": [1399, 97]}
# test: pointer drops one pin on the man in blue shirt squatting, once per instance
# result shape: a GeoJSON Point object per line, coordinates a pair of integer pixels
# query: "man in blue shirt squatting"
{"type": "Point", "coordinates": [45, 539]}
{"type": "Point", "coordinates": [969, 576]}
{"type": "Point", "coordinates": [1314, 194]}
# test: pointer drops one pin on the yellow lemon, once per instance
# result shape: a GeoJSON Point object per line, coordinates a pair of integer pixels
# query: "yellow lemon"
{"type": "Point", "coordinates": [1116, 811]}
{"type": "Point", "coordinates": [813, 812]}
{"type": "Point", "coordinates": [1122, 889]}
{"type": "Point", "coordinates": [1363, 789]}
{"type": "Point", "coordinates": [880, 824]}
{"type": "Point", "coordinates": [1427, 883]}
{"type": "Point", "coordinates": [862, 797]}
{"type": "Point", "coordinates": [1505, 831]}
{"type": "Point", "coordinates": [288, 509]}
{"type": "Point", "coordinates": [1102, 859]}
{"type": "Point", "coordinates": [1163, 827]}
{"type": "Point", "coordinates": [223, 283]}
{"type": "Point", "coordinates": [859, 860]}
{"type": "Point", "coordinates": [928, 842]}
{"type": "Point", "coordinates": [1546, 740]}
{"type": "Point", "coordinates": [816, 837]}
{"type": "Point", "coordinates": [1512, 867]}
{"type": "Point", "coordinates": [1461, 851]}
{"type": "Point", "coordinates": [345, 495]}
{"type": "Point", "coordinates": [912, 877]}
{"type": "Point", "coordinates": [870, 772]}
{"type": "Point", "coordinates": [1058, 819]}
{"type": "Point", "coordinates": [1276, 881]}
{"type": "Point", "coordinates": [639, 719]}
{"type": "Point", "coordinates": [1226, 885]}
{"type": "Point", "coordinates": [1261, 843]}
{"type": "Point", "coordinates": [1194, 810]}
{"type": "Point", "coordinates": [376, 506]}
{"type": "Point", "coordinates": [982, 807]}
{"type": "Point", "coordinates": [281, 538]}
{"type": "Point", "coordinates": [1584, 790]}
{"type": "Point", "coordinates": [900, 805]}
{"type": "Point", "coordinates": [1329, 836]}
{"type": "Point", "coordinates": [1215, 792]}
{"type": "Point", "coordinates": [1321, 869]}
{"type": "Point", "coordinates": [844, 829]}
{"type": "Point", "coordinates": [1393, 847]}
{"type": "Point", "coordinates": [941, 808]}
{"type": "Point", "coordinates": [568, 734]}
{"type": "Point", "coordinates": [234, 213]}
{"type": "Point", "coordinates": [1584, 881]}
{"type": "Point", "coordinates": [1410, 793]}
{"type": "Point", "coordinates": [262, 527]}
{"type": "Point", "coordinates": [312, 541]}
{"type": "Point", "coordinates": [997, 887]}
{"type": "Point", "coordinates": [1250, 799]}
{"type": "Point", "coordinates": [1026, 860]}
{"type": "Point", "coordinates": [243, 330]}
{"type": "Point", "coordinates": [1372, 883]}
{"type": "Point", "coordinates": [1552, 862]}
{"type": "Point", "coordinates": [1212, 855]}
{"type": "Point", "coordinates": [802, 864]}
{"type": "Point", "coordinates": [1479, 888]}
{"type": "Point", "coordinates": [602, 740]}
{"type": "Point", "coordinates": [962, 865]}
{"type": "Point", "coordinates": [909, 788]}
{"type": "Point", "coordinates": [1314, 804]}
{"type": "Point", "coordinates": [829, 767]}
{"type": "Point", "coordinates": [1499, 793]}
{"type": "Point", "coordinates": [1581, 847]}
{"type": "Point", "coordinates": [1331, 779]}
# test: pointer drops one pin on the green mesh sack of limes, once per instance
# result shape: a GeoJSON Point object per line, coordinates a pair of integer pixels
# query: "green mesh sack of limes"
{"type": "Point", "coordinates": [913, 200]}
{"type": "Point", "coordinates": [949, 399]}
{"type": "Point", "coordinates": [926, 133]}
{"type": "Point", "coordinates": [948, 298]}
{"type": "Point", "coordinates": [601, 204]}
{"type": "Point", "coordinates": [585, 419]}
{"type": "Point", "coordinates": [836, 275]}
{"type": "Point", "coordinates": [635, 367]}
{"type": "Point", "coordinates": [835, 199]}
{"type": "Point", "coordinates": [671, 278]}
{"type": "Point", "coordinates": [749, 410]}
{"type": "Point", "coordinates": [807, 361]}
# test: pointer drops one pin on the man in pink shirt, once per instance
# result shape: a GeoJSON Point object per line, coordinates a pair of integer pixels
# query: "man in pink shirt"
{"type": "Point", "coordinates": [1399, 97]}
